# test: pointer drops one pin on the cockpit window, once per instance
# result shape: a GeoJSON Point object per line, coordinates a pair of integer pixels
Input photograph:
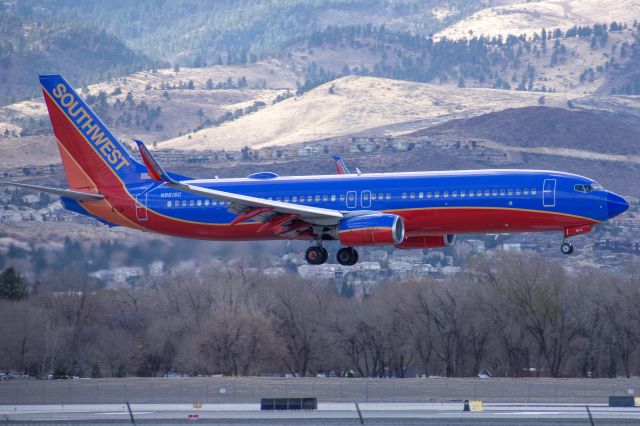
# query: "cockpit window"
{"type": "Point", "coordinates": [588, 187]}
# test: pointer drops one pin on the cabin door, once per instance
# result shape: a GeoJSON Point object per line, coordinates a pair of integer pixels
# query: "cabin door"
{"type": "Point", "coordinates": [141, 208]}
{"type": "Point", "coordinates": [549, 193]}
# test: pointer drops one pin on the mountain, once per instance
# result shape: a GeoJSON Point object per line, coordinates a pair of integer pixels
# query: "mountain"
{"type": "Point", "coordinates": [29, 47]}
{"type": "Point", "coordinates": [351, 105]}
{"type": "Point", "coordinates": [530, 17]}
{"type": "Point", "coordinates": [211, 32]}
{"type": "Point", "coordinates": [550, 127]}
{"type": "Point", "coordinates": [598, 59]}
{"type": "Point", "coordinates": [149, 105]}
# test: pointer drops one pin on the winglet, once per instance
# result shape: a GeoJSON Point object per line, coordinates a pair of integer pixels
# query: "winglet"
{"type": "Point", "coordinates": [340, 167]}
{"type": "Point", "coordinates": [156, 172]}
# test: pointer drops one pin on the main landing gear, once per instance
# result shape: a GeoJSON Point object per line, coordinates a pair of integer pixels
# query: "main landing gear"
{"type": "Point", "coordinates": [347, 256]}
{"type": "Point", "coordinates": [566, 247]}
{"type": "Point", "coordinates": [317, 255]}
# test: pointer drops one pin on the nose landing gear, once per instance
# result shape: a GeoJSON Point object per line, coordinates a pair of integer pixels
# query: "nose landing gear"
{"type": "Point", "coordinates": [566, 248]}
{"type": "Point", "coordinates": [316, 255]}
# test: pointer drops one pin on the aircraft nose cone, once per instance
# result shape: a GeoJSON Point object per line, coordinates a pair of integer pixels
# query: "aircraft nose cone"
{"type": "Point", "coordinates": [616, 205]}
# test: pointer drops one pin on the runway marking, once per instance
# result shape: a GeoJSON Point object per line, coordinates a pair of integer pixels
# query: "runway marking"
{"type": "Point", "coordinates": [126, 413]}
{"type": "Point", "coordinates": [528, 413]}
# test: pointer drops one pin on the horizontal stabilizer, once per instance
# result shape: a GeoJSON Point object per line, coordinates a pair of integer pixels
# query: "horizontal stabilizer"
{"type": "Point", "coordinates": [74, 195]}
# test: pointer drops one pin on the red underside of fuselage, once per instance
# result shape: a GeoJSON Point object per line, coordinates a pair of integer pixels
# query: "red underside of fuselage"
{"type": "Point", "coordinates": [417, 222]}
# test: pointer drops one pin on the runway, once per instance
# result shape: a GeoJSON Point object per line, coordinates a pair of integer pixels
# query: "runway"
{"type": "Point", "coordinates": [221, 390]}
{"type": "Point", "coordinates": [235, 400]}
{"type": "Point", "coordinates": [327, 413]}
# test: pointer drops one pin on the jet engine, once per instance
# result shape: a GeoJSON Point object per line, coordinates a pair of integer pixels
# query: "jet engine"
{"type": "Point", "coordinates": [371, 229]}
{"type": "Point", "coordinates": [432, 241]}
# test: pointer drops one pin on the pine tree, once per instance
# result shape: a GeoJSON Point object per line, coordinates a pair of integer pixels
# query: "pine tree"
{"type": "Point", "coordinates": [12, 285]}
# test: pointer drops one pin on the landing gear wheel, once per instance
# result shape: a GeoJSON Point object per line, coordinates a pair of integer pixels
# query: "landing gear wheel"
{"type": "Point", "coordinates": [566, 248]}
{"type": "Point", "coordinates": [347, 256]}
{"type": "Point", "coordinates": [325, 255]}
{"type": "Point", "coordinates": [316, 255]}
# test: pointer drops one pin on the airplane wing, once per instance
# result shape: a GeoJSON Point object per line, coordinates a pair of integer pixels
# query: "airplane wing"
{"type": "Point", "coordinates": [314, 213]}
{"type": "Point", "coordinates": [74, 195]}
{"type": "Point", "coordinates": [246, 206]}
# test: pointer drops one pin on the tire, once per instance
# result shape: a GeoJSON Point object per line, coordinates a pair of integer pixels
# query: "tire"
{"type": "Point", "coordinates": [314, 255]}
{"type": "Point", "coordinates": [566, 248]}
{"type": "Point", "coordinates": [347, 256]}
{"type": "Point", "coordinates": [325, 255]}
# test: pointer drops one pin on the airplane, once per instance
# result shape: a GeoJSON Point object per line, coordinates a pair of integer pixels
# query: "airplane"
{"type": "Point", "coordinates": [409, 210]}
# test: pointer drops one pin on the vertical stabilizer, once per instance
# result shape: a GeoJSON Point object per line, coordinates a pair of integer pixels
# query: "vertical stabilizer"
{"type": "Point", "coordinates": [92, 156]}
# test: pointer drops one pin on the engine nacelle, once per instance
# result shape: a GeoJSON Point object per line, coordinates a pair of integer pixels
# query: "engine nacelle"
{"type": "Point", "coordinates": [371, 230]}
{"type": "Point", "coordinates": [432, 241]}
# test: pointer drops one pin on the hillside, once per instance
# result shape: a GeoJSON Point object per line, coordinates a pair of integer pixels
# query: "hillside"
{"type": "Point", "coordinates": [529, 17]}
{"type": "Point", "coordinates": [29, 47]}
{"type": "Point", "coordinates": [351, 105]}
{"type": "Point", "coordinates": [164, 103]}
{"type": "Point", "coordinates": [211, 32]}
{"type": "Point", "coordinates": [535, 127]}
{"type": "Point", "coordinates": [580, 59]}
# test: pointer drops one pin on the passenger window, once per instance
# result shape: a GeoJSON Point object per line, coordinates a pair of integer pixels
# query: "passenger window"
{"type": "Point", "coordinates": [206, 202]}
{"type": "Point", "coordinates": [404, 195]}
{"type": "Point", "coordinates": [365, 196]}
{"type": "Point", "coordinates": [579, 188]}
{"type": "Point", "coordinates": [445, 194]}
{"type": "Point", "coordinates": [199, 203]}
{"type": "Point", "coordinates": [373, 196]}
{"type": "Point", "coordinates": [317, 198]}
{"type": "Point", "coordinates": [436, 194]}
{"type": "Point", "coordinates": [525, 192]}
{"type": "Point", "coordinates": [428, 195]}
{"type": "Point", "coordinates": [533, 191]}
{"type": "Point", "coordinates": [341, 197]}
{"type": "Point", "coordinates": [333, 197]}
{"type": "Point", "coordinates": [381, 196]}
{"type": "Point", "coordinates": [502, 192]}
{"type": "Point", "coordinates": [454, 194]}
{"type": "Point", "coordinates": [184, 203]}
{"type": "Point", "coordinates": [214, 202]}
{"type": "Point", "coordinates": [192, 203]}
{"type": "Point", "coordinates": [169, 203]}
{"type": "Point", "coordinates": [420, 195]}
{"type": "Point", "coordinates": [294, 199]}
{"type": "Point", "coordinates": [518, 191]}
{"type": "Point", "coordinates": [412, 195]}
{"type": "Point", "coordinates": [325, 198]}
{"type": "Point", "coordinates": [463, 194]}
{"type": "Point", "coordinates": [387, 196]}
{"type": "Point", "coordinates": [352, 197]}
{"type": "Point", "coordinates": [510, 192]}
{"type": "Point", "coordinates": [494, 192]}
{"type": "Point", "coordinates": [479, 193]}
{"type": "Point", "coordinates": [487, 192]}
{"type": "Point", "coordinates": [471, 193]}
{"type": "Point", "coordinates": [309, 198]}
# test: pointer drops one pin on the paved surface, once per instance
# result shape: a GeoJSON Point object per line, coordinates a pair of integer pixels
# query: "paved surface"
{"type": "Point", "coordinates": [251, 389]}
{"type": "Point", "coordinates": [327, 413]}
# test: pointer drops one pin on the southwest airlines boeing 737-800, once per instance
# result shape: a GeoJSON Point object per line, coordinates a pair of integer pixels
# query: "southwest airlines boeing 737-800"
{"type": "Point", "coordinates": [404, 210]}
